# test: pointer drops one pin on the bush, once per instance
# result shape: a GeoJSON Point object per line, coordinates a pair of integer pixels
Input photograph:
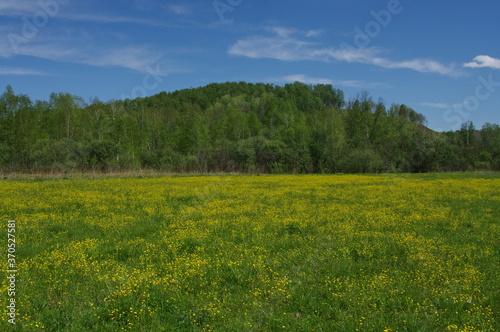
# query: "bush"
{"type": "Point", "coordinates": [57, 155]}
{"type": "Point", "coordinates": [362, 161]}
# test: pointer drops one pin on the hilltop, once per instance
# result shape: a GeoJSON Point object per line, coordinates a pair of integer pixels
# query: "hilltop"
{"type": "Point", "coordinates": [235, 127]}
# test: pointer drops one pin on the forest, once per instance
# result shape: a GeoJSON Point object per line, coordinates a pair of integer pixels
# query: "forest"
{"type": "Point", "coordinates": [235, 127]}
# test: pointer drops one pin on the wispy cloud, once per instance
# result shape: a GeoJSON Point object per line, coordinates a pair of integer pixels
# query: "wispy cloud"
{"type": "Point", "coordinates": [292, 45]}
{"type": "Point", "coordinates": [22, 71]}
{"type": "Point", "coordinates": [271, 47]}
{"type": "Point", "coordinates": [142, 4]}
{"type": "Point", "coordinates": [129, 57]}
{"type": "Point", "coordinates": [314, 33]}
{"type": "Point", "coordinates": [420, 65]}
{"type": "Point", "coordinates": [483, 61]}
{"type": "Point", "coordinates": [282, 32]}
{"type": "Point", "coordinates": [27, 7]}
{"type": "Point", "coordinates": [109, 19]}
{"type": "Point", "coordinates": [17, 7]}
{"type": "Point", "coordinates": [319, 80]}
{"type": "Point", "coordinates": [5, 47]}
{"type": "Point", "coordinates": [305, 79]}
{"type": "Point", "coordinates": [441, 105]}
{"type": "Point", "coordinates": [79, 46]}
{"type": "Point", "coordinates": [137, 57]}
{"type": "Point", "coordinates": [180, 9]}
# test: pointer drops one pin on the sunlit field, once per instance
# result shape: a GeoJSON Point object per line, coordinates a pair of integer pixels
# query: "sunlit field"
{"type": "Point", "coordinates": [255, 253]}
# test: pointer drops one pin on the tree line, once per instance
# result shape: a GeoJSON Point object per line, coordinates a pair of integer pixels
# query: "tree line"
{"type": "Point", "coordinates": [235, 127]}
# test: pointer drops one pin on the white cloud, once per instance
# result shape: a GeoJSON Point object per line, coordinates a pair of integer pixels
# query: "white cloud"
{"type": "Point", "coordinates": [108, 19]}
{"type": "Point", "coordinates": [17, 7]}
{"type": "Point", "coordinates": [82, 48]}
{"type": "Point", "coordinates": [420, 65]}
{"type": "Point", "coordinates": [180, 10]}
{"type": "Point", "coordinates": [142, 4]}
{"type": "Point", "coordinates": [5, 47]}
{"type": "Point", "coordinates": [22, 71]}
{"type": "Point", "coordinates": [105, 19]}
{"type": "Point", "coordinates": [305, 79]}
{"type": "Point", "coordinates": [136, 57]}
{"type": "Point", "coordinates": [483, 61]}
{"type": "Point", "coordinates": [319, 80]}
{"type": "Point", "coordinates": [275, 48]}
{"type": "Point", "coordinates": [131, 57]}
{"type": "Point", "coordinates": [30, 7]}
{"type": "Point", "coordinates": [292, 49]}
{"type": "Point", "coordinates": [440, 105]}
{"type": "Point", "coordinates": [283, 45]}
{"type": "Point", "coordinates": [314, 33]}
{"type": "Point", "coordinates": [282, 31]}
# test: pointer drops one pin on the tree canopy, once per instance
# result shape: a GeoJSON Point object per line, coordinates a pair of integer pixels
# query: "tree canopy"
{"type": "Point", "coordinates": [235, 127]}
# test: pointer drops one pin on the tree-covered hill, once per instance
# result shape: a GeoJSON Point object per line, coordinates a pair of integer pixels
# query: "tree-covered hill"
{"type": "Point", "coordinates": [235, 127]}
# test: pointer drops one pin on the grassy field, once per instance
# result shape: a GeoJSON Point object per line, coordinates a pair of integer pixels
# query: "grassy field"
{"type": "Point", "coordinates": [255, 253]}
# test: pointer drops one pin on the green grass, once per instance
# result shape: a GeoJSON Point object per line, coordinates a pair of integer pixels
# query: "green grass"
{"type": "Point", "coordinates": [256, 253]}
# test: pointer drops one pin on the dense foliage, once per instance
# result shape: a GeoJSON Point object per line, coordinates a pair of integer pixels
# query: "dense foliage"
{"type": "Point", "coordinates": [235, 127]}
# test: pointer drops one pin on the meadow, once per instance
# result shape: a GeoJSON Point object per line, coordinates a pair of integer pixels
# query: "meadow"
{"type": "Point", "coordinates": [255, 253]}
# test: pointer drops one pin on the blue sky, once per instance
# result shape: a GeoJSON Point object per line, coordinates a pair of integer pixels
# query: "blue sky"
{"type": "Point", "coordinates": [442, 58]}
